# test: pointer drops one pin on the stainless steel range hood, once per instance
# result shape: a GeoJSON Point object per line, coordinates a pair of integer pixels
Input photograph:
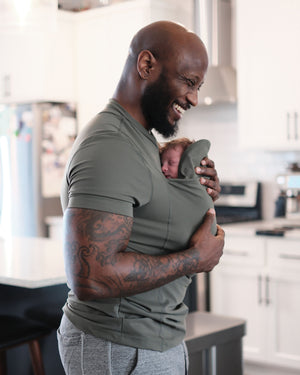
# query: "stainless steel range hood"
{"type": "Point", "coordinates": [213, 25]}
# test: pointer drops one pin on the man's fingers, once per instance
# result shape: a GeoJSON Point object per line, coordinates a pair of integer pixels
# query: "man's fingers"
{"type": "Point", "coordinates": [220, 232]}
{"type": "Point", "coordinates": [209, 218]}
{"type": "Point", "coordinates": [208, 162]}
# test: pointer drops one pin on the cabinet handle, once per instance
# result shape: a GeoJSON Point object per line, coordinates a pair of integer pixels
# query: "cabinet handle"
{"type": "Point", "coordinates": [259, 290]}
{"type": "Point", "coordinates": [288, 126]}
{"type": "Point", "coordinates": [7, 86]}
{"type": "Point", "coordinates": [296, 124]}
{"type": "Point", "coordinates": [237, 253]}
{"type": "Point", "coordinates": [268, 301]}
{"type": "Point", "coordinates": [289, 256]}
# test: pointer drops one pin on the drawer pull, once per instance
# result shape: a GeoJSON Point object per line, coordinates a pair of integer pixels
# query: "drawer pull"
{"type": "Point", "coordinates": [268, 301]}
{"type": "Point", "coordinates": [288, 126]}
{"type": "Point", "coordinates": [237, 253]}
{"type": "Point", "coordinates": [296, 125]}
{"type": "Point", "coordinates": [260, 300]}
{"type": "Point", "coordinates": [289, 256]}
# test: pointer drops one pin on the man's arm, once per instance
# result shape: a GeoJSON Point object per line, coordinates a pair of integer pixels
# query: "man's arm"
{"type": "Point", "coordinates": [207, 169]}
{"type": "Point", "coordinates": [98, 266]}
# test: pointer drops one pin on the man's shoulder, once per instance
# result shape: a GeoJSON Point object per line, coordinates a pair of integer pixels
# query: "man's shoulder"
{"type": "Point", "coordinates": [104, 122]}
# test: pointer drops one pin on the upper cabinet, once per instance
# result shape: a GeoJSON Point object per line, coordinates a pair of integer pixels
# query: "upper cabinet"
{"type": "Point", "coordinates": [268, 60]}
{"type": "Point", "coordinates": [103, 37]}
{"type": "Point", "coordinates": [38, 66]}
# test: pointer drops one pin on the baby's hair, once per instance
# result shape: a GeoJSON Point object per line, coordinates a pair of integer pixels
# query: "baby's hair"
{"type": "Point", "coordinates": [183, 142]}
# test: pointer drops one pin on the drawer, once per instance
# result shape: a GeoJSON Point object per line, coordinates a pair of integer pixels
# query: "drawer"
{"type": "Point", "coordinates": [284, 253]}
{"type": "Point", "coordinates": [244, 250]}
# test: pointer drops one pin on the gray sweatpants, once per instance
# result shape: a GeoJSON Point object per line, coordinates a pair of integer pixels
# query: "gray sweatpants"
{"type": "Point", "coordinates": [83, 354]}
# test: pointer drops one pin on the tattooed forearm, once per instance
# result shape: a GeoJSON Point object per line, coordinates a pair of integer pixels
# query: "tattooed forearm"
{"type": "Point", "coordinates": [97, 264]}
{"type": "Point", "coordinates": [151, 272]}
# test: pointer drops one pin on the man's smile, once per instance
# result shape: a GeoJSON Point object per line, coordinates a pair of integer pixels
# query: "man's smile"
{"type": "Point", "coordinates": [179, 109]}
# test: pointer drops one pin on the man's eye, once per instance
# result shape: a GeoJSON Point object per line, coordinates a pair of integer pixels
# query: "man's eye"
{"type": "Point", "coordinates": [190, 82]}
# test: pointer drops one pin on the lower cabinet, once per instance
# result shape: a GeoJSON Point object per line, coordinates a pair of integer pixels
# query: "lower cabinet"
{"type": "Point", "coordinates": [284, 302]}
{"type": "Point", "coordinates": [258, 279]}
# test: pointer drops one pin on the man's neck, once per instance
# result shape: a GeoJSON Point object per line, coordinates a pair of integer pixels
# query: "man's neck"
{"type": "Point", "coordinates": [132, 108]}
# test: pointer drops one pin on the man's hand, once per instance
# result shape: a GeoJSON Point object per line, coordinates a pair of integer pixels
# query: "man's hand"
{"type": "Point", "coordinates": [208, 247]}
{"type": "Point", "coordinates": [207, 169]}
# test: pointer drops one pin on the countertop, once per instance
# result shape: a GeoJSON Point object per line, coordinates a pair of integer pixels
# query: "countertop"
{"type": "Point", "coordinates": [250, 228]}
{"type": "Point", "coordinates": [204, 329]}
{"type": "Point", "coordinates": [214, 343]}
{"type": "Point", "coordinates": [31, 262]}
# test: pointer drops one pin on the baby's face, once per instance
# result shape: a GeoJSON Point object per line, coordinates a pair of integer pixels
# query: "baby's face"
{"type": "Point", "coordinates": [170, 160]}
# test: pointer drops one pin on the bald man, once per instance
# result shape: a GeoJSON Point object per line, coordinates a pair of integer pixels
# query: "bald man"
{"type": "Point", "coordinates": [132, 239]}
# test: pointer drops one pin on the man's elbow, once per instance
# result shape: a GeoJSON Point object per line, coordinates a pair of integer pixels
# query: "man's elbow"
{"type": "Point", "coordinates": [92, 292]}
{"type": "Point", "coordinates": [84, 294]}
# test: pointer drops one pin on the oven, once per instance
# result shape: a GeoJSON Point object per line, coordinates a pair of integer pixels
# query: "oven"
{"type": "Point", "coordinates": [238, 202]}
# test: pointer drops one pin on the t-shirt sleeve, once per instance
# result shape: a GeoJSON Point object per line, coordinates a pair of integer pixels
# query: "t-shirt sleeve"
{"type": "Point", "coordinates": [107, 174]}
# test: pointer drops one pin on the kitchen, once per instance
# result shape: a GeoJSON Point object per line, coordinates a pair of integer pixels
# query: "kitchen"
{"type": "Point", "coordinates": [255, 125]}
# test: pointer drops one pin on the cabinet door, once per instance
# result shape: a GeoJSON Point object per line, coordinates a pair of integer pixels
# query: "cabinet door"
{"type": "Point", "coordinates": [38, 66]}
{"type": "Point", "coordinates": [284, 344]}
{"type": "Point", "coordinates": [21, 67]}
{"type": "Point", "coordinates": [284, 301]}
{"type": "Point", "coordinates": [268, 73]}
{"type": "Point", "coordinates": [237, 292]}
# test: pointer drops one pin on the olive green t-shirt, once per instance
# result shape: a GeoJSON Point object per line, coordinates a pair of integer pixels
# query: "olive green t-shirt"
{"type": "Point", "coordinates": [115, 167]}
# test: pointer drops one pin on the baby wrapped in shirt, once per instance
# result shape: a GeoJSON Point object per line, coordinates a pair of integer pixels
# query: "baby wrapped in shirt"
{"type": "Point", "coordinates": [178, 161]}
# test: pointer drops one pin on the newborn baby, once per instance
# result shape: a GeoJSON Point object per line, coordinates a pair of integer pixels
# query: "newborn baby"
{"type": "Point", "coordinates": [178, 161]}
{"type": "Point", "coordinates": [170, 155]}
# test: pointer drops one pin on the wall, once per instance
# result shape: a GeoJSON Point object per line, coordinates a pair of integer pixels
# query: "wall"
{"type": "Point", "coordinates": [219, 124]}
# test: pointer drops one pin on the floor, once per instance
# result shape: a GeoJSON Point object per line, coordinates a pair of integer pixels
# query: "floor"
{"type": "Point", "coordinates": [254, 369]}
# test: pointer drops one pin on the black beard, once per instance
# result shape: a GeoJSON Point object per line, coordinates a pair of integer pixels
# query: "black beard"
{"type": "Point", "coordinates": [154, 103]}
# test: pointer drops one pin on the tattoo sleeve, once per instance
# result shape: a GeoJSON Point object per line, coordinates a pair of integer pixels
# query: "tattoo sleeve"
{"type": "Point", "coordinates": [97, 265]}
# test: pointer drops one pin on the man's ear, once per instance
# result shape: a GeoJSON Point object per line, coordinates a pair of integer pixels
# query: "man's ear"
{"type": "Point", "coordinates": [146, 62]}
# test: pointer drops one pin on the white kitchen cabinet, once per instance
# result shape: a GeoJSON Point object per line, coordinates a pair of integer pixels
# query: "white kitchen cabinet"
{"type": "Point", "coordinates": [259, 279]}
{"type": "Point", "coordinates": [38, 66]}
{"type": "Point", "coordinates": [233, 286]}
{"type": "Point", "coordinates": [284, 301]}
{"type": "Point", "coordinates": [237, 289]}
{"type": "Point", "coordinates": [268, 33]}
{"type": "Point", "coordinates": [103, 36]}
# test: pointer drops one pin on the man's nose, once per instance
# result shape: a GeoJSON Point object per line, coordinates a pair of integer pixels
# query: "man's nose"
{"type": "Point", "coordinates": [193, 97]}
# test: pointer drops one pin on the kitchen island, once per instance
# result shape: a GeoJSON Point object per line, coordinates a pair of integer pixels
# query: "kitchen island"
{"type": "Point", "coordinates": [32, 276]}
{"type": "Point", "coordinates": [31, 262]}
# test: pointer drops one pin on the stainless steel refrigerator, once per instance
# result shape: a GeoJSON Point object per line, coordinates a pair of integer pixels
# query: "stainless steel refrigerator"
{"type": "Point", "coordinates": [35, 140]}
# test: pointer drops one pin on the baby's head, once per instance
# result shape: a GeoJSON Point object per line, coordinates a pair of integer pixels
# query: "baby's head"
{"type": "Point", "coordinates": [170, 154]}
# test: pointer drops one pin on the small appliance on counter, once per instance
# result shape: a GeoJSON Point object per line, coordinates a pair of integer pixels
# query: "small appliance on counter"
{"type": "Point", "coordinates": [239, 202]}
{"type": "Point", "coordinates": [288, 202]}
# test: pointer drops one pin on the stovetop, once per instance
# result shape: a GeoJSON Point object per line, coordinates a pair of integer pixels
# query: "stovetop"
{"type": "Point", "coordinates": [277, 231]}
{"type": "Point", "coordinates": [276, 227]}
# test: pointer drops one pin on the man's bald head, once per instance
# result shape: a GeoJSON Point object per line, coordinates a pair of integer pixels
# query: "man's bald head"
{"type": "Point", "coordinates": [164, 39]}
